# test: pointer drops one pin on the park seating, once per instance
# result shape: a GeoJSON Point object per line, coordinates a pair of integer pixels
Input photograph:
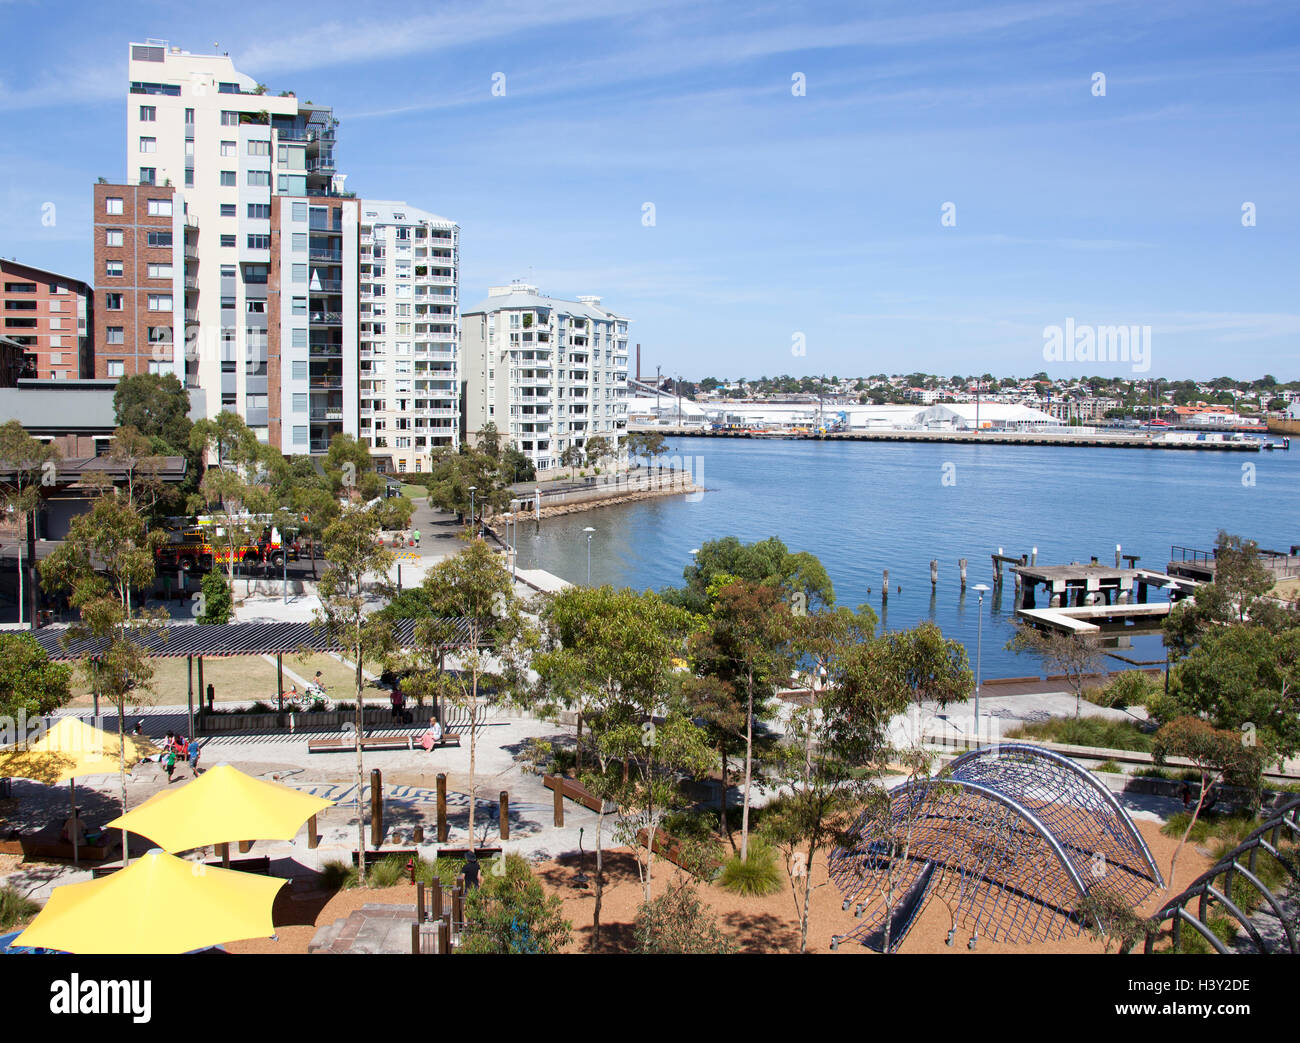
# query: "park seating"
{"type": "Point", "coordinates": [573, 790]}
{"type": "Point", "coordinates": [668, 848]}
{"type": "Point", "coordinates": [376, 742]}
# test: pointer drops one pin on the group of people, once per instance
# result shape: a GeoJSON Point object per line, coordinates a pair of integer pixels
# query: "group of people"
{"type": "Point", "coordinates": [175, 748]}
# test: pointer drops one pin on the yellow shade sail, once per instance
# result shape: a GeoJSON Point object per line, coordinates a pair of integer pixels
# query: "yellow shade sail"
{"type": "Point", "coordinates": [221, 806]}
{"type": "Point", "coordinates": [70, 749]}
{"type": "Point", "coordinates": [160, 904]}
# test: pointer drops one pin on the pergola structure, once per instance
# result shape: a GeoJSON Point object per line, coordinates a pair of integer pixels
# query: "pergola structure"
{"type": "Point", "coordinates": [1011, 839]}
{"type": "Point", "coordinates": [194, 641]}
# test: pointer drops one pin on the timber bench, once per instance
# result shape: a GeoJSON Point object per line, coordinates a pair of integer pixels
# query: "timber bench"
{"type": "Point", "coordinates": [574, 790]}
{"type": "Point", "coordinates": [377, 742]}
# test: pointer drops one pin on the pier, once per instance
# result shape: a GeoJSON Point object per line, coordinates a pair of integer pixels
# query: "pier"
{"type": "Point", "coordinates": [1098, 440]}
{"type": "Point", "coordinates": [1200, 565]}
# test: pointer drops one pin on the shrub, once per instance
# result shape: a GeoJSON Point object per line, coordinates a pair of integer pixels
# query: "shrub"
{"type": "Point", "coordinates": [218, 606]}
{"type": "Point", "coordinates": [510, 913]}
{"type": "Point", "coordinates": [678, 922]}
{"type": "Point", "coordinates": [1110, 766]}
{"type": "Point", "coordinates": [338, 876]}
{"type": "Point", "coordinates": [760, 874]}
{"type": "Point", "coordinates": [15, 907]}
{"type": "Point", "coordinates": [1125, 689]}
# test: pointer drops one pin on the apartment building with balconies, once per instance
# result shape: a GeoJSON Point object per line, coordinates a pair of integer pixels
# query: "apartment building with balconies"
{"type": "Point", "coordinates": [51, 317]}
{"type": "Point", "coordinates": [549, 373]}
{"type": "Point", "coordinates": [251, 173]}
{"type": "Point", "coordinates": [409, 385]}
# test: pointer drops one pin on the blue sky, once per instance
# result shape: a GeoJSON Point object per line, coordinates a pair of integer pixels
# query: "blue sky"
{"type": "Point", "coordinates": [774, 214]}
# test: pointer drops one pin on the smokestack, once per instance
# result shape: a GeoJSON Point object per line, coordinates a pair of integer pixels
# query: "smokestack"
{"type": "Point", "coordinates": [638, 362]}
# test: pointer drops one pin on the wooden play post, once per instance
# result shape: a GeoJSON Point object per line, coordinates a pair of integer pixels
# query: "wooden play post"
{"type": "Point", "coordinates": [559, 803]}
{"type": "Point", "coordinates": [504, 814]}
{"type": "Point", "coordinates": [442, 808]}
{"type": "Point", "coordinates": [376, 808]}
{"type": "Point", "coordinates": [313, 838]}
{"type": "Point", "coordinates": [245, 846]}
{"type": "Point", "coordinates": [225, 855]}
{"type": "Point", "coordinates": [419, 901]}
{"type": "Point", "coordinates": [435, 899]}
{"type": "Point", "coordinates": [444, 937]}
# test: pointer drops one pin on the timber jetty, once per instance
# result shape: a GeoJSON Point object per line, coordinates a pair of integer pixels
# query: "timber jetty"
{"type": "Point", "coordinates": [1098, 440]}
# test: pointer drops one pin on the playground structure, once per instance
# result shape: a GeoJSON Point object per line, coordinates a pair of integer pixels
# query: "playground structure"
{"type": "Point", "coordinates": [1230, 880]}
{"type": "Point", "coordinates": [1011, 839]}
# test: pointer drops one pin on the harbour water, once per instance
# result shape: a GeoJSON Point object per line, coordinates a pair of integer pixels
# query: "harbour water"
{"type": "Point", "coordinates": [865, 507]}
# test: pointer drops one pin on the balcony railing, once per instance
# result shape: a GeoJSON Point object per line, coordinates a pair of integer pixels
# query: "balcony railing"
{"type": "Point", "coordinates": [327, 286]}
{"type": "Point", "coordinates": [326, 318]}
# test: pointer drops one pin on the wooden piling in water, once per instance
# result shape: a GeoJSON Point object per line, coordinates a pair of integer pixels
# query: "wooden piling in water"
{"type": "Point", "coordinates": [934, 573]}
{"type": "Point", "coordinates": [884, 589]}
{"type": "Point", "coordinates": [961, 568]}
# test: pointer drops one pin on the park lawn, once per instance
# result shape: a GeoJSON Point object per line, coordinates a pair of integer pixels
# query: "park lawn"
{"type": "Point", "coordinates": [414, 492]}
{"type": "Point", "coordinates": [238, 678]}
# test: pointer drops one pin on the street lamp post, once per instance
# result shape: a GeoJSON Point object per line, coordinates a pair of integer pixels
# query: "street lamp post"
{"type": "Point", "coordinates": [284, 558]}
{"type": "Point", "coordinates": [471, 508]}
{"type": "Point", "coordinates": [982, 588]}
{"type": "Point", "coordinates": [589, 530]}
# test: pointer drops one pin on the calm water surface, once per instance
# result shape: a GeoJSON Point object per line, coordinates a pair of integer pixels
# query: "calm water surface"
{"type": "Point", "coordinates": [864, 507]}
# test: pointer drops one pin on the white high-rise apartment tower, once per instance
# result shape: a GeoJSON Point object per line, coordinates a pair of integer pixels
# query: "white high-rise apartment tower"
{"type": "Point", "coordinates": [271, 245]}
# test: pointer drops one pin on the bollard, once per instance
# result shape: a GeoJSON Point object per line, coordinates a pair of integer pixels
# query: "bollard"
{"type": "Point", "coordinates": [444, 937]}
{"type": "Point", "coordinates": [1033, 556]}
{"type": "Point", "coordinates": [1118, 549]}
{"type": "Point", "coordinates": [442, 808]}
{"type": "Point", "coordinates": [417, 835]}
{"type": "Point", "coordinates": [376, 808]}
{"type": "Point", "coordinates": [435, 899]}
{"type": "Point", "coordinates": [419, 901]}
{"type": "Point", "coordinates": [503, 815]}
{"type": "Point", "coordinates": [559, 803]}
{"type": "Point", "coordinates": [961, 568]}
{"type": "Point", "coordinates": [415, 938]}
{"type": "Point", "coordinates": [225, 855]}
{"type": "Point", "coordinates": [458, 902]}
{"type": "Point", "coordinates": [313, 838]}
{"type": "Point", "coordinates": [934, 573]}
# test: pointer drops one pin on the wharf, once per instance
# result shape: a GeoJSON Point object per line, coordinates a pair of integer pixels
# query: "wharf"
{"type": "Point", "coordinates": [1099, 440]}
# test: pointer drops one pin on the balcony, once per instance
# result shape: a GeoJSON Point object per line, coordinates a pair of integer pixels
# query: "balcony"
{"type": "Point", "coordinates": [327, 286]}
{"type": "Point", "coordinates": [326, 383]}
{"type": "Point", "coordinates": [317, 253]}
{"type": "Point", "coordinates": [326, 318]}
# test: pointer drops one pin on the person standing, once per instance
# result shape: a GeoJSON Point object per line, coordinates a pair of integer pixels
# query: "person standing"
{"type": "Point", "coordinates": [416, 536]}
{"type": "Point", "coordinates": [471, 870]}
{"type": "Point", "coordinates": [194, 757]}
{"type": "Point", "coordinates": [169, 763]}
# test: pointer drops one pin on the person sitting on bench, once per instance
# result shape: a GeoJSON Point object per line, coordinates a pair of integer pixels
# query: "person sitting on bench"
{"type": "Point", "coordinates": [433, 736]}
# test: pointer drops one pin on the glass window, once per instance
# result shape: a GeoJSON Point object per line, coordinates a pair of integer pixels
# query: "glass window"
{"type": "Point", "coordinates": [259, 178]}
{"type": "Point", "coordinates": [259, 148]}
{"type": "Point", "coordinates": [113, 301]}
{"type": "Point", "coordinates": [300, 306]}
{"type": "Point", "coordinates": [148, 144]}
{"type": "Point", "coordinates": [113, 237]}
{"type": "Point", "coordinates": [113, 205]}
{"type": "Point", "coordinates": [300, 401]}
{"type": "Point", "coordinates": [228, 240]}
{"type": "Point", "coordinates": [228, 179]}
{"type": "Point", "coordinates": [298, 369]}
{"type": "Point", "coordinates": [259, 242]}
{"type": "Point", "coordinates": [300, 211]}
{"type": "Point", "coordinates": [114, 335]}
{"type": "Point", "coordinates": [160, 239]}
{"type": "Point", "coordinates": [299, 338]}
{"type": "Point", "coordinates": [259, 211]}
{"type": "Point", "coordinates": [160, 302]}
{"type": "Point", "coordinates": [299, 242]}
{"type": "Point", "coordinates": [116, 368]}
{"type": "Point", "coordinates": [160, 271]}
{"type": "Point", "coordinates": [229, 119]}
{"type": "Point", "coordinates": [148, 175]}
{"type": "Point", "coordinates": [113, 268]}
{"type": "Point", "coordinates": [229, 210]}
{"type": "Point", "coordinates": [299, 435]}
{"type": "Point", "coordinates": [299, 273]}
{"type": "Point", "coordinates": [160, 207]}
{"type": "Point", "coordinates": [148, 113]}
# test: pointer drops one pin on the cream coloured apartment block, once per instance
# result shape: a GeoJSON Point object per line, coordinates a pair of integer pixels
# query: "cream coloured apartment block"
{"type": "Point", "coordinates": [549, 373]}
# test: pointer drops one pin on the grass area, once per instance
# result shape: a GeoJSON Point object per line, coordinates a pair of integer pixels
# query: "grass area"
{"type": "Point", "coordinates": [1109, 766]}
{"type": "Point", "coordinates": [15, 908]}
{"type": "Point", "coordinates": [1086, 731]}
{"type": "Point", "coordinates": [1225, 829]}
{"type": "Point", "coordinates": [246, 678]}
{"type": "Point", "coordinates": [414, 492]}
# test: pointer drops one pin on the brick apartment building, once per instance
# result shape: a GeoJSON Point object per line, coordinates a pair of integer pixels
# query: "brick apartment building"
{"type": "Point", "coordinates": [139, 239]}
{"type": "Point", "coordinates": [51, 316]}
